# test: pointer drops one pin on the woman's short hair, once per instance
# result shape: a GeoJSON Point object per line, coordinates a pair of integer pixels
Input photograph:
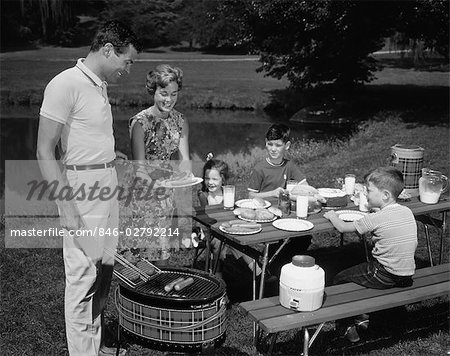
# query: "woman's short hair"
{"type": "Point", "coordinates": [389, 178]}
{"type": "Point", "coordinates": [162, 76]}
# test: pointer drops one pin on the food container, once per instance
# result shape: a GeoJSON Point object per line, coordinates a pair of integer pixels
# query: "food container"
{"type": "Point", "coordinates": [302, 284]}
{"type": "Point", "coordinates": [284, 203]}
{"type": "Point", "coordinates": [409, 160]}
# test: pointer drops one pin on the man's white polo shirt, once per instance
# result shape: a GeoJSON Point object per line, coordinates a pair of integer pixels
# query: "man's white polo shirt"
{"type": "Point", "coordinates": [77, 98]}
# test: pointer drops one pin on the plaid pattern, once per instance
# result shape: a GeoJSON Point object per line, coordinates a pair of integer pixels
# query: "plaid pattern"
{"type": "Point", "coordinates": [134, 317]}
{"type": "Point", "coordinates": [411, 169]}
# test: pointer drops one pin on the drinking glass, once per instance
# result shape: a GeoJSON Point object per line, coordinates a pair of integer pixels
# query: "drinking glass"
{"type": "Point", "coordinates": [349, 182]}
{"type": "Point", "coordinates": [228, 196]}
{"type": "Point", "coordinates": [302, 206]}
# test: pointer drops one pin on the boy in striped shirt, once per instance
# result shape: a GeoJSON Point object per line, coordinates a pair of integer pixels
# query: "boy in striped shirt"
{"type": "Point", "coordinates": [394, 234]}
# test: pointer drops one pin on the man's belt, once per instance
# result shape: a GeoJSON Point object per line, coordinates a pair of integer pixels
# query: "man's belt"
{"type": "Point", "coordinates": [88, 167]}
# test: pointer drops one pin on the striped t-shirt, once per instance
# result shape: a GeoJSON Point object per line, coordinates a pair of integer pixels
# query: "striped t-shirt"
{"type": "Point", "coordinates": [394, 233]}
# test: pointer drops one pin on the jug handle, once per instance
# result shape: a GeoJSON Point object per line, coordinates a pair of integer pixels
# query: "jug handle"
{"type": "Point", "coordinates": [445, 187]}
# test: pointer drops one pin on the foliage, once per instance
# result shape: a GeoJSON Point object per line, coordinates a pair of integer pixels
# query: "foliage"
{"type": "Point", "coordinates": [151, 20]}
{"type": "Point", "coordinates": [316, 43]}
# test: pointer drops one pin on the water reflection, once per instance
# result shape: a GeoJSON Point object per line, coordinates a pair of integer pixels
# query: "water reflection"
{"type": "Point", "coordinates": [217, 131]}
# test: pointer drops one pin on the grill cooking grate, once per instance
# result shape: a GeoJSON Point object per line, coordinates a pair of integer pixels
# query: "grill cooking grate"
{"type": "Point", "coordinates": [201, 288]}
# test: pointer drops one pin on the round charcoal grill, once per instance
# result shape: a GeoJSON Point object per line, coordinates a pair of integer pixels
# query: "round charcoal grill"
{"type": "Point", "coordinates": [192, 319]}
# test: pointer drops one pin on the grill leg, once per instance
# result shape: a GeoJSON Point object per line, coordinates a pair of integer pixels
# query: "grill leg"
{"type": "Point", "coordinates": [118, 339]}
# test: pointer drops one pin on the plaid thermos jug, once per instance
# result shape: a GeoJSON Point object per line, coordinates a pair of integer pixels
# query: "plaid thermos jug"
{"type": "Point", "coordinates": [409, 160]}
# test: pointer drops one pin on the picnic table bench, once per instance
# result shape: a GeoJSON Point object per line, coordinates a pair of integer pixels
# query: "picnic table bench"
{"type": "Point", "coordinates": [344, 300]}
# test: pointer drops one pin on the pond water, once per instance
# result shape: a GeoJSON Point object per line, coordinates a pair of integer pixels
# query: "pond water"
{"type": "Point", "coordinates": [217, 131]}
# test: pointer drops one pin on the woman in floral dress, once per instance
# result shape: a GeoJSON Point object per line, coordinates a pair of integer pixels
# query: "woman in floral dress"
{"type": "Point", "coordinates": [158, 135]}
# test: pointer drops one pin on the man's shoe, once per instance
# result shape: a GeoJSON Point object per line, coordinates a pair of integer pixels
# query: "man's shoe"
{"type": "Point", "coordinates": [351, 334]}
{"type": "Point", "coordinates": [111, 351]}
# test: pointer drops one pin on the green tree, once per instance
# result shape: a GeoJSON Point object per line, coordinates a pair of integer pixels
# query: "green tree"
{"type": "Point", "coordinates": [318, 42]}
{"type": "Point", "coordinates": [151, 20]}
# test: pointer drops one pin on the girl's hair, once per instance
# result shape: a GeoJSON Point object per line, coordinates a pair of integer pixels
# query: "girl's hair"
{"type": "Point", "coordinates": [219, 166]}
{"type": "Point", "coordinates": [388, 178]}
{"type": "Point", "coordinates": [278, 132]}
{"type": "Point", "coordinates": [162, 76]}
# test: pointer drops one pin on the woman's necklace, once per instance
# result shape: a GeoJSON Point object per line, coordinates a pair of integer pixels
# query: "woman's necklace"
{"type": "Point", "coordinates": [275, 164]}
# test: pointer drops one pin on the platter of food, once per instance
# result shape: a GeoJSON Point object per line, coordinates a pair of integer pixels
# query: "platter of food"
{"type": "Point", "coordinates": [331, 192]}
{"type": "Point", "coordinates": [350, 215]}
{"type": "Point", "coordinates": [181, 180]}
{"type": "Point", "coordinates": [239, 227]}
{"type": "Point", "coordinates": [293, 224]}
{"type": "Point", "coordinates": [256, 203]}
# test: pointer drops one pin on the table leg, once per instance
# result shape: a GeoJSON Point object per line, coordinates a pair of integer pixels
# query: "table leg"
{"type": "Point", "coordinates": [444, 225]}
{"type": "Point", "coordinates": [217, 257]}
{"type": "Point", "coordinates": [263, 271]}
{"type": "Point", "coordinates": [208, 252]}
{"type": "Point", "coordinates": [278, 250]}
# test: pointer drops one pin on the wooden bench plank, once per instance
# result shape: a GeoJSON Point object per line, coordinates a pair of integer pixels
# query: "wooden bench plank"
{"type": "Point", "coordinates": [274, 308]}
{"type": "Point", "coordinates": [341, 288]}
{"type": "Point", "coordinates": [297, 320]}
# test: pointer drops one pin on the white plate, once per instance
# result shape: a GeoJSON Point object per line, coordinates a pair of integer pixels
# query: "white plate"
{"type": "Point", "coordinates": [258, 220]}
{"type": "Point", "coordinates": [350, 215]}
{"type": "Point", "coordinates": [249, 203]}
{"type": "Point", "coordinates": [331, 192]}
{"type": "Point", "coordinates": [221, 228]}
{"type": "Point", "coordinates": [293, 224]}
{"type": "Point", "coordinates": [192, 181]}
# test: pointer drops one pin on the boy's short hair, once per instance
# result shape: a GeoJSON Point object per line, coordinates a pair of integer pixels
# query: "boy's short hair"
{"type": "Point", "coordinates": [118, 34]}
{"type": "Point", "coordinates": [388, 178]}
{"type": "Point", "coordinates": [278, 132]}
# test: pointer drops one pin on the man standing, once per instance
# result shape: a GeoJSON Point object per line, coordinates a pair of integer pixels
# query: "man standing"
{"type": "Point", "coordinates": [76, 116]}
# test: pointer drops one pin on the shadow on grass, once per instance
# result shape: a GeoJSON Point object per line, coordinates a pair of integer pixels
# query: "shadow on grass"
{"type": "Point", "coordinates": [387, 328]}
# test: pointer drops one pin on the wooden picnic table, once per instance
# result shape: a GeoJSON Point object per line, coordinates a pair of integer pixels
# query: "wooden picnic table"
{"type": "Point", "coordinates": [213, 216]}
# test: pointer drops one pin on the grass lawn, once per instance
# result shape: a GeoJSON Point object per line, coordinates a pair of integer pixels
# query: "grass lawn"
{"type": "Point", "coordinates": [33, 279]}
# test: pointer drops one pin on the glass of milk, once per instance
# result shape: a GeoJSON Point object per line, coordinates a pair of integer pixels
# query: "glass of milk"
{"type": "Point", "coordinates": [349, 182]}
{"type": "Point", "coordinates": [228, 196]}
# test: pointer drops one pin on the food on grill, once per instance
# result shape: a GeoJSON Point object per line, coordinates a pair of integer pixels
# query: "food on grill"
{"type": "Point", "coordinates": [146, 267]}
{"type": "Point", "coordinates": [169, 286]}
{"type": "Point", "coordinates": [263, 214]}
{"type": "Point", "coordinates": [183, 284]}
{"type": "Point", "coordinates": [131, 274]}
{"type": "Point", "coordinates": [275, 211]}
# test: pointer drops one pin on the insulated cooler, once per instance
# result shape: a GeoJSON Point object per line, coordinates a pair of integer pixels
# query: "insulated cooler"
{"type": "Point", "coordinates": [302, 284]}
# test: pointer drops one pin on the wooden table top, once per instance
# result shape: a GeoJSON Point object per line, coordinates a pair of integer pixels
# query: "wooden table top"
{"type": "Point", "coordinates": [213, 216]}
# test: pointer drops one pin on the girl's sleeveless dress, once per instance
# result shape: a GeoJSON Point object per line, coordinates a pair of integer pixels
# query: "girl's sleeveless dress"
{"type": "Point", "coordinates": [150, 220]}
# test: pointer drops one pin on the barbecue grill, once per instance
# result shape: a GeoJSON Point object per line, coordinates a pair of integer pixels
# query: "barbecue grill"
{"type": "Point", "coordinates": [191, 319]}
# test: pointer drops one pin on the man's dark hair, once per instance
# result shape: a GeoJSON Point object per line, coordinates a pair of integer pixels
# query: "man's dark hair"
{"type": "Point", "coordinates": [278, 132]}
{"type": "Point", "coordinates": [116, 33]}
